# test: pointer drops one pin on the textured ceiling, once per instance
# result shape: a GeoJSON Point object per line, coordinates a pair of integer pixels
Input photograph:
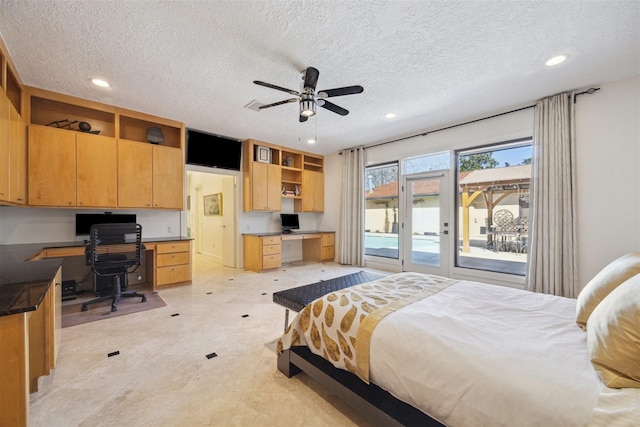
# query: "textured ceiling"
{"type": "Point", "coordinates": [433, 63]}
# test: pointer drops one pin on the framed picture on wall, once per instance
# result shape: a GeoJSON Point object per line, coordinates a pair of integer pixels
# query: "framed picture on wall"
{"type": "Point", "coordinates": [213, 204]}
{"type": "Point", "coordinates": [263, 154]}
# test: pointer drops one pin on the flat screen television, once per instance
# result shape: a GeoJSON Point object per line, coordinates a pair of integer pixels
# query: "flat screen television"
{"type": "Point", "coordinates": [85, 221]}
{"type": "Point", "coordinates": [214, 151]}
{"type": "Point", "coordinates": [289, 222]}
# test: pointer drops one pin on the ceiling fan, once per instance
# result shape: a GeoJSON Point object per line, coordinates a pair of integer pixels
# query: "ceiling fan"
{"type": "Point", "coordinates": [308, 97]}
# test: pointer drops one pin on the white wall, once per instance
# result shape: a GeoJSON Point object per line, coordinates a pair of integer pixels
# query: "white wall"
{"type": "Point", "coordinates": [608, 167]}
{"type": "Point", "coordinates": [32, 225]}
{"type": "Point", "coordinates": [608, 180]}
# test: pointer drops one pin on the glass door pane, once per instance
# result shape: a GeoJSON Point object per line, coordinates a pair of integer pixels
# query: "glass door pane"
{"type": "Point", "coordinates": [426, 229]}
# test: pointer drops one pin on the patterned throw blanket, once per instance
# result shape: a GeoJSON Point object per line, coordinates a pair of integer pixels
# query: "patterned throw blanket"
{"type": "Point", "coordinates": [339, 325]}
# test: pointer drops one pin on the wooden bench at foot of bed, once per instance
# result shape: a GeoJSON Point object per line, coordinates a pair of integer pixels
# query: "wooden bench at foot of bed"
{"type": "Point", "coordinates": [297, 298]}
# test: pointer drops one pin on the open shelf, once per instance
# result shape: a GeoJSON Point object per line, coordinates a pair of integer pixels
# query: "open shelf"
{"type": "Point", "coordinates": [135, 129]}
{"type": "Point", "coordinates": [14, 91]}
{"type": "Point", "coordinates": [45, 111]}
{"type": "Point", "coordinates": [313, 163]}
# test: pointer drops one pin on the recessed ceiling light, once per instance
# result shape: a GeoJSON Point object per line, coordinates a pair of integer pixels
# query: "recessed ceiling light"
{"type": "Point", "coordinates": [311, 141]}
{"type": "Point", "coordinates": [390, 115]}
{"type": "Point", "coordinates": [556, 60]}
{"type": "Point", "coordinates": [100, 82]}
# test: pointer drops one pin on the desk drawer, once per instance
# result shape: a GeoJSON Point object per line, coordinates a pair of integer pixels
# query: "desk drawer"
{"type": "Point", "coordinates": [271, 261]}
{"type": "Point", "coordinates": [173, 274]}
{"type": "Point", "coordinates": [165, 248]}
{"type": "Point", "coordinates": [271, 240]}
{"type": "Point", "coordinates": [271, 249]}
{"type": "Point", "coordinates": [328, 252]}
{"type": "Point", "coordinates": [177, 258]}
{"type": "Point", "coordinates": [328, 239]}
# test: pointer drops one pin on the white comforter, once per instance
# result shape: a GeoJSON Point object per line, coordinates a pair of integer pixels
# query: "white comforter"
{"type": "Point", "coordinates": [483, 355]}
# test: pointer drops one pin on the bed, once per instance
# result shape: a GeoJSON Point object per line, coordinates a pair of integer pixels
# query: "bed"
{"type": "Point", "coordinates": [417, 349]}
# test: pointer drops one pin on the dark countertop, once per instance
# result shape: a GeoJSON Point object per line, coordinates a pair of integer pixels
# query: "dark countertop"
{"type": "Point", "coordinates": [280, 233]}
{"type": "Point", "coordinates": [24, 283]}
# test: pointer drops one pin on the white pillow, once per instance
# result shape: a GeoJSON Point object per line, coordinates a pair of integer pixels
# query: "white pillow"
{"type": "Point", "coordinates": [613, 336]}
{"type": "Point", "coordinates": [603, 283]}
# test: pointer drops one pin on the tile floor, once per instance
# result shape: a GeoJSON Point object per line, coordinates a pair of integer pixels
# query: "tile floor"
{"type": "Point", "coordinates": [162, 376]}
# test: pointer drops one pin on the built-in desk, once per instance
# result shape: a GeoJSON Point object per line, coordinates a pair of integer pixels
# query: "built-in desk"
{"type": "Point", "coordinates": [262, 251]}
{"type": "Point", "coordinates": [30, 310]}
{"type": "Point", "coordinates": [170, 263]}
{"type": "Point", "coordinates": [30, 319]}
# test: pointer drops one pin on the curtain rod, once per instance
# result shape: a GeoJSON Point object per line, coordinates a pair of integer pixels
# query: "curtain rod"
{"type": "Point", "coordinates": [588, 92]}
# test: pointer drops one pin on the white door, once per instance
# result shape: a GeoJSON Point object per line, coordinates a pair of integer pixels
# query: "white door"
{"type": "Point", "coordinates": [229, 188]}
{"type": "Point", "coordinates": [426, 230]}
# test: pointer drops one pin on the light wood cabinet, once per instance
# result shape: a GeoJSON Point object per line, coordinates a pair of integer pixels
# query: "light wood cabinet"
{"type": "Point", "coordinates": [149, 176]}
{"type": "Point", "coordinates": [168, 175]}
{"type": "Point", "coordinates": [13, 156]}
{"type": "Point", "coordinates": [261, 253]}
{"type": "Point", "coordinates": [265, 187]}
{"type": "Point", "coordinates": [96, 178]}
{"type": "Point", "coordinates": [71, 168]}
{"type": "Point", "coordinates": [135, 174]}
{"type": "Point", "coordinates": [328, 248]}
{"type": "Point", "coordinates": [172, 263]}
{"type": "Point", "coordinates": [116, 168]}
{"type": "Point", "coordinates": [288, 174]}
{"type": "Point", "coordinates": [4, 147]}
{"type": "Point", "coordinates": [52, 167]}
{"type": "Point", "coordinates": [313, 191]}
{"type": "Point", "coordinates": [17, 158]}
{"type": "Point", "coordinates": [44, 333]}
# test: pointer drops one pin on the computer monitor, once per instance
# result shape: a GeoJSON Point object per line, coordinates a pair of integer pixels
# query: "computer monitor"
{"type": "Point", "coordinates": [85, 221]}
{"type": "Point", "coordinates": [289, 222]}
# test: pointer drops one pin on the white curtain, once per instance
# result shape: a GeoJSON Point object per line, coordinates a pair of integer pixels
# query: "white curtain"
{"type": "Point", "coordinates": [351, 248]}
{"type": "Point", "coordinates": [552, 248]}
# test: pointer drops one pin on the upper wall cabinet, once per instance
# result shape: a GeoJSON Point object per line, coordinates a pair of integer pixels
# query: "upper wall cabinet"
{"type": "Point", "coordinates": [13, 137]}
{"type": "Point", "coordinates": [108, 161]}
{"type": "Point", "coordinates": [9, 80]}
{"type": "Point", "coordinates": [272, 173]}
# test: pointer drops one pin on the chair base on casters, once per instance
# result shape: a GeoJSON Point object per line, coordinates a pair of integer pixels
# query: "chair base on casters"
{"type": "Point", "coordinates": [115, 297]}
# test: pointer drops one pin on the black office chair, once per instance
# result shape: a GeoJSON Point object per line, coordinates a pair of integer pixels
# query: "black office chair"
{"type": "Point", "coordinates": [114, 251]}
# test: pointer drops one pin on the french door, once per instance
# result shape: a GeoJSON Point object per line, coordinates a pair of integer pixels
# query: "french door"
{"type": "Point", "coordinates": [426, 231]}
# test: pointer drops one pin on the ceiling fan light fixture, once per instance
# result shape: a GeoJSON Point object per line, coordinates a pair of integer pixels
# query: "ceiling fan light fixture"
{"type": "Point", "coordinates": [307, 107]}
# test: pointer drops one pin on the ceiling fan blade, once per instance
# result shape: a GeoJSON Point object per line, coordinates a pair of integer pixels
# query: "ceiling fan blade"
{"type": "Point", "coordinates": [347, 90]}
{"type": "Point", "coordinates": [269, 85]}
{"type": "Point", "coordinates": [286, 101]}
{"type": "Point", "coordinates": [333, 107]}
{"type": "Point", "coordinates": [303, 118]}
{"type": "Point", "coordinates": [311, 78]}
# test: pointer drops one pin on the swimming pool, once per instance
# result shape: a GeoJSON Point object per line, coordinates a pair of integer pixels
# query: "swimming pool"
{"type": "Point", "coordinates": [390, 241]}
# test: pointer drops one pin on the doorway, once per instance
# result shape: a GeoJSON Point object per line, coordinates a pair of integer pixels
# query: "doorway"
{"type": "Point", "coordinates": [426, 238]}
{"type": "Point", "coordinates": [213, 230]}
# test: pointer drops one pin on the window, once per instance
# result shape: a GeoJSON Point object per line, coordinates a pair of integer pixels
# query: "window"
{"type": "Point", "coordinates": [381, 211]}
{"type": "Point", "coordinates": [430, 162]}
{"type": "Point", "coordinates": [493, 207]}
